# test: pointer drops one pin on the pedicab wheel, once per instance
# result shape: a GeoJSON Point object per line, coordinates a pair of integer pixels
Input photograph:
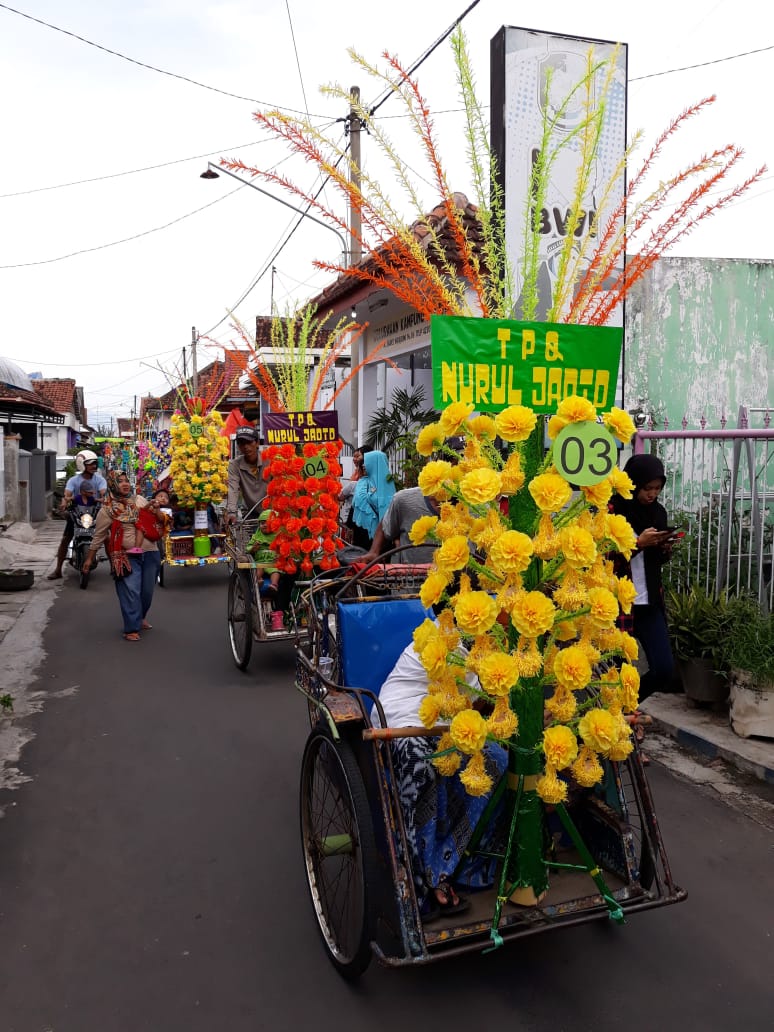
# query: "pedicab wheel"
{"type": "Point", "coordinates": [240, 619]}
{"type": "Point", "coordinates": [339, 851]}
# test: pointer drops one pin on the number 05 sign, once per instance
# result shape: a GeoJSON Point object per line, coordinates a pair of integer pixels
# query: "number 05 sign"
{"type": "Point", "coordinates": [585, 453]}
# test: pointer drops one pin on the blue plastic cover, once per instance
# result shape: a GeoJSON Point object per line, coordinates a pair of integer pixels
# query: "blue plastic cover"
{"type": "Point", "coordinates": [372, 635]}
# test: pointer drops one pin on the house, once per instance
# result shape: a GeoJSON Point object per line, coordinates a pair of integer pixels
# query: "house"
{"type": "Point", "coordinates": [24, 412]}
{"type": "Point", "coordinates": [64, 396]}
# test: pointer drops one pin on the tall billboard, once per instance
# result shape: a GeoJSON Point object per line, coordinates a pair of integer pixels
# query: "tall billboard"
{"type": "Point", "coordinates": [532, 75]}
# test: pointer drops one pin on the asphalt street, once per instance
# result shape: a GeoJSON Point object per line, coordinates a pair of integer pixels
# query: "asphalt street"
{"type": "Point", "coordinates": [151, 875]}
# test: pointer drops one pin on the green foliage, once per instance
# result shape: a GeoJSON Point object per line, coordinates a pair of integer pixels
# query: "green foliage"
{"type": "Point", "coordinates": [6, 703]}
{"type": "Point", "coordinates": [750, 643]}
{"type": "Point", "coordinates": [699, 625]}
{"type": "Point", "coordinates": [394, 431]}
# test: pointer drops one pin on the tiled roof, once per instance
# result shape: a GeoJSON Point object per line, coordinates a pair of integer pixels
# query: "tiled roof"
{"type": "Point", "coordinates": [226, 371]}
{"type": "Point", "coordinates": [22, 399]}
{"type": "Point", "coordinates": [58, 393]}
{"type": "Point", "coordinates": [347, 286]}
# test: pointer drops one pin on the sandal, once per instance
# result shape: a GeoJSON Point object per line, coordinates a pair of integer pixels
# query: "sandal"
{"type": "Point", "coordinates": [132, 636]}
{"type": "Point", "coordinates": [443, 900]}
{"type": "Point", "coordinates": [145, 626]}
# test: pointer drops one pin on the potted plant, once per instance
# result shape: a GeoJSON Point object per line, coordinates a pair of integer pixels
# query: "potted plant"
{"type": "Point", "coordinates": [751, 669]}
{"type": "Point", "coordinates": [699, 626]}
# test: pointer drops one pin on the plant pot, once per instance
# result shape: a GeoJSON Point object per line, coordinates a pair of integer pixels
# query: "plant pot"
{"type": "Point", "coordinates": [752, 705]}
{"type": "Point", "coordinates": [16, 580]}
{"type": "Point", "coordinates": [700, 682]}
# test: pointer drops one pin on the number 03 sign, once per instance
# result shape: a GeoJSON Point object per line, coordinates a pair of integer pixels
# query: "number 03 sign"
{"type": "Point", "coordinates": [585, 453]}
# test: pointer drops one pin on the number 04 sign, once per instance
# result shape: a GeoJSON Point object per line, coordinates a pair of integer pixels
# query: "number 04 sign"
{"type": "Point", "coordinates": [585, 453]}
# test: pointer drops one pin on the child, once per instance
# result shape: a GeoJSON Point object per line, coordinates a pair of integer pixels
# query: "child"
{"type": "Point", "coordinates": [259, 546]}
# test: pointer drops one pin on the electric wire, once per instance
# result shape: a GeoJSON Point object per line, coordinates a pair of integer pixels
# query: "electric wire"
{"type": "Point", "coordinates": [298, 62]}
{"type": "Point", "coordinates": [150, 67]}
{"type": "Point", "coordinates": [702, 64]}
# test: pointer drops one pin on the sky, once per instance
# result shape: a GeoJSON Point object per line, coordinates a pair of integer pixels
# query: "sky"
{"type": "Point", "coordinates": [155, 251]}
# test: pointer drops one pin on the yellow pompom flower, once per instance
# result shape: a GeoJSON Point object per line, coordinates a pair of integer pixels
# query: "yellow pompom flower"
{"type": "Point", "coordinates": [576, 409]}
{"type": "Point", "coordinates": [449, 764]}
{"type": "Point", "coordinates": [533, 613]}
{"type": "Point", "coordinates": [512, 477]}
{"type": "Point", "coordinates": [453, 554]}
{"type": "Point", "coordinates": [550, 788]}
{"type": "Point", "coordinates": [560, 746]}
{"type": "Point", "coordinates": [430, 710]}
{"type": "Point", "coordinates": [621, 483]}
{"type": "Point", "coordinates": [433, 477]}
{"type": "Point", "coordinates": [422, 634]}
{"type": "Point", "coordinates": [475, 778]}
{"type": "Point", "coordinates": [529, 657]}
{"type": "Point", "coordinates": [598, 730]}
{"type": "Point", "coordinates": [599, 494]}
{"type": "Point", "coordinates": [626, 593]}
{"type": "Point", "coordinates": [630, 687]}
{"type": "Point", "coordinates": [572, 668]}
{"type": "Point", "coordinates": [555, 426]}
{"type": "Point", "coordinates": [481, 486]}
{"type": "Point", "coordinates": [498, 672]}
{"type": "Point", "coordinates": [512, 551]}
{"type": "Point", "coordinates": [502, 723]}
{"type": "Point", "coordinates": [421, 528]}
{"type": "Point", "coordinates": [433, 656]}
{"type": "Point", "coordinates": [604, 607]}
{"type": "Point", "coordinates": [515, 423]}
{"type": "Point", "coordinates": [629, 646]}
{"type": "Point", "coordinates": [475, 612]}
{"type": "Point", "coordinates": [468, 731]}
{"type": "Point", "coordinates": [621, 534]}
{"type": "Point", "coordinates": [432, 588]}
{"type": "Point", "coordinates": [454, 415]}
{"type": "Point", "coordinates": [429, 439]}
{"type": "Point", "coordinates": [578, 547]}
{"type": "Point", "coordinates": [587, 770]}
{"type": "Point", "coordinates": [562, 705]}
{"type": "Point", "coordinates": [483, 428]}
{"type": "Point", "coordinates": [550, 492]}
{"type": "Point", "coordinates": [620, 424]}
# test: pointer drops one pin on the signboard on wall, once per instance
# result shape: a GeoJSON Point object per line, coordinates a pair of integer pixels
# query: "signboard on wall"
{"type": "Point", "coordinates": [532, 75]}
{"type": "Point", "coordinates": [493, 363]}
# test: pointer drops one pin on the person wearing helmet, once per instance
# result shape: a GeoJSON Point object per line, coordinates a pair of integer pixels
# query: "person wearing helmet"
{"type": "Point", "coordinates": [245, 474]}
{"type": "Point", "coordinates": [86, 466]}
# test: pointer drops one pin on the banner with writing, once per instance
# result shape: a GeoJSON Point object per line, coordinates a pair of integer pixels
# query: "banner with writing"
{"type": "Point", "coordinates": [494, 363]}
{"type": "Point", "coordinates": [300, 427]}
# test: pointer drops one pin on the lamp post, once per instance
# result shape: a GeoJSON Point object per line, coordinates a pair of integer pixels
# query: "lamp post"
{"type": "Point", "coordinates": [214, 171]}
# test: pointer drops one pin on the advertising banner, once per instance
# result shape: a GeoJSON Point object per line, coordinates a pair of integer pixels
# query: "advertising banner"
{"type": "Point", "coordinates": [494, 363]}
{"type": "Point", "coordinates": [300, 427]}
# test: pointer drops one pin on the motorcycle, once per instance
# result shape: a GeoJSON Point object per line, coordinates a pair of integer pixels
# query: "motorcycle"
{"type": "Point", "coordinates": [83, 518]}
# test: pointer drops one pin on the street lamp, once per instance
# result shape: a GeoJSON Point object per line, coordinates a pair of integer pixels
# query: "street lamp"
{"type": "Point", "coordinates": [214, 171]}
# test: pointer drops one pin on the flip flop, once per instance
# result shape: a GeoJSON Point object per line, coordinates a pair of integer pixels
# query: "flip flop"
{"type": "Point", "coordinates": [437, 909]}
{"type": "Point", "coordinates": [145, 626]}
{"type": "Point", "coordinates": [54, 576]}
{"type": "Point", "coordinates": [132, 636]}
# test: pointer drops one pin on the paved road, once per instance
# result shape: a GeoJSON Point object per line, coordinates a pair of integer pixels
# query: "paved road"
{"type": "Point", "coordinates": [150, 873]}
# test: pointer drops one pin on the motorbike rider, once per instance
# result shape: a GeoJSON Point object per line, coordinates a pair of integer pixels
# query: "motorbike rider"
{"type": "Point", "coordinates": [245, 474]}
{"type": "Point", "coordinates": [86, 466]}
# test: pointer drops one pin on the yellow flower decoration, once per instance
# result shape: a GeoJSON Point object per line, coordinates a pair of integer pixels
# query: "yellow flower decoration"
{"type": "Point", "coordinates": [430, 710]}
{"type": "Point", "coordinates": [578, 547]}
{"type": "Point", "coordinates": [533, 613]}
{"type": "Point", "coordinates": [599, 494]}
{"type": "Point", "coordinates": [433, 656]}
{"type": "Point", "coordinates": [626, 593]}
{"type": "Point", "coordinates": [576, 409]}
{"type": "Point", "coordinates": [468, 731]}
{"type": "Point", "coordinates": [562, 705]}
{"type": "Point", "coordinates": [433, 477]}
{"type": "Point", "coordinates": [449, 764]}
{"type": "Point", "coordinates": [572, 668]}
{"type": "Point", "coordinates": [453, 416]}
{"type": "Point", "coordinates": [621, 483]}
{"type": "Point", "coordinates": [621, 534]}
{"type": "Point", "coordinates": [483, 428]}
{"type": "Point", "coordinates": [475, 612]}
{"type": "Point", "coordinates": [620, 424]}
{"type": "Point", "coordinates": [502, 723]}
{"type": "Point", "coordinates": [630, 687]}
{"type": "Point", "coordinates": [429, 439]}
{"type": "Point", "coordinates": [424, 633]}
{"type": "Point", "coordinates": [512, 479]}
{"type": "Point", "coordinates": [598, 729]}
{"type": "Point", "coordinates": [550, 492]}
{"type": "Point", "coordinates": [512, 551]}
{"type": "Point", "coordinates": [515, 423]}
{"type": "Point", "coordinates": [587, 770]}
{"type": "Point", "coordinates": [550, 788]}
{"type": "Point", "coordinates": [433, 587]}
{"type": "Point", "coordinates": [560, 746]}
{"type": "Point", "coordinates": [475, 778]}
{"type": "Point", "coordinates": [498, 672]}
{"type": "Point", "coordinates": [604, 607]}
{"type": "Point", "coordinates": [453, 554]}
{"type": "Point", "coordinates": [481, 486]}
{"type": "Point", "coordinates": [421, 528]}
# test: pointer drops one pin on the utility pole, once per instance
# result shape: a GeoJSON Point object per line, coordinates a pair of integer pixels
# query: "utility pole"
{"type": "Point", "coordinates": [356, 249]}
{"type": "Point", "coordinates": [194, 370]}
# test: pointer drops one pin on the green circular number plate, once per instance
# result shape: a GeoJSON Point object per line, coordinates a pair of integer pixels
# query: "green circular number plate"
{"type": "Point", "coordinates": [585, 453]}
{"type": "Point", "coordinates": [316, 467]}
{"type": "Point", "coordinates": [196, 429]}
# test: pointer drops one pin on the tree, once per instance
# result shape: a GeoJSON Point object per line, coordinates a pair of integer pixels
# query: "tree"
{"type": "Point", "coordinates": [394, 431]}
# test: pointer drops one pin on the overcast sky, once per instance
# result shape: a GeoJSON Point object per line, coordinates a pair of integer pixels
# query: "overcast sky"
{"type": "Point", "coordinates": [73, 112]}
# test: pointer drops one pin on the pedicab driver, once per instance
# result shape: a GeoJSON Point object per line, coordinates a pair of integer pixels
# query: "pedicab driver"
{"type": "Point", "coordinates": [245, 475]}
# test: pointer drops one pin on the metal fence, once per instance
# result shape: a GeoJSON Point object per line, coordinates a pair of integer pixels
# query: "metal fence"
{"type": "Point", "coordinates": [720, 491]}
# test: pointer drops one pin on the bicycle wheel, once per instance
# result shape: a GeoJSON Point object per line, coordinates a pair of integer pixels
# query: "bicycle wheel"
{"type": "Point", "coordinates": [240, 619]}
{"type": "Point", "coordinates": [339, 851]}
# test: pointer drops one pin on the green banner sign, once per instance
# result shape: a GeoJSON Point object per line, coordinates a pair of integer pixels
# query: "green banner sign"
{"type": "Point", "coordinates": [494, 363]}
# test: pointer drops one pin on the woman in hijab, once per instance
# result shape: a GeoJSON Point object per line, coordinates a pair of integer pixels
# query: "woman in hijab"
{"type": "Point", "coordinates": [648, 519]}
{"type": "Point", "coordinates": [373, 494]}
{"type": "Point", "coordinates": [130, 533]}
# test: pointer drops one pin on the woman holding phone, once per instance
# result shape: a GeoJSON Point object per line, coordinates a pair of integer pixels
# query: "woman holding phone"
{"type": "Point", "coordinates": [648, 519]}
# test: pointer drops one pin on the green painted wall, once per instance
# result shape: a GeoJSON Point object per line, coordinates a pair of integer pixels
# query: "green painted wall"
{"type": "Point", "coordinates": [699, 339]}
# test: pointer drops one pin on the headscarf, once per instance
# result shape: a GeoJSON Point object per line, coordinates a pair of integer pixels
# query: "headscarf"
{"type": "Point", "coordinates": [373, 493]}
{"type": "Point", "coordinates": [121, 510]}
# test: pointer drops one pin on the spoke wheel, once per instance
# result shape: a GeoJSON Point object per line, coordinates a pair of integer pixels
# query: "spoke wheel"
{"type": "Point", "coordinates": [240, 619]}
{"type": "Point", "coordinates": [339, 851]}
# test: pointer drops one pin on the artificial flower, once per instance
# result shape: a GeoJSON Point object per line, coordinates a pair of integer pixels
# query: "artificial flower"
{"type": "Point", "coordinates": [515, 423]}
{"type": "Point", "coordinates": [421, 528]}
{"type": "Point", "coordinates": [448, 764]}
{"type": "Point", "coordinates": [474, 777]}
{"type": "Point", "coordinates": [430, 710]}
{"type": "Point", "coordinates": [571, 668]}
{"type": "Point", "coordinates": [481, 486]}
{"type": "Point", "coordinates": [502, 722]}
{"type": "Point", "coordinates": [433, 587]}
{"type": "Point", "coordinates": [429, 439]}
{"type": "Point", "coordinates": [597, 728]}
{"type": "Point", "coordinates": [434, 478]}
{"type": "Point", "coordinates": [482, 427]}
{"type": "Point", "coordinates": [587, 769]}
{"type": "Point", "coordinates": [550, 788]}
{"type": "Point", "coordinates": [512, 551]}
{"type": "Point", "coordinates": [578, 547]}
{"type": "Point", "coordinates": [550, 492]}
{"type": "Point", "coordinates": [475, 612]}
{"type": "Point", "coordinates": [468, 731]}
{"type": "Point", "coordinates": [620, 424]}
{"type": "Point", "coordinates": [453, 416]}
{"type": "Point", "coordinates": [604, 607]}
{"type": "Point", "coordinates": [498, 673]}
{"type": "Point", "coordinates": [630, 687]}
{"type": "Point", "coordinates": [621, 534]}
{"type": "Point", "coordinates": [453, 554]}
{"type": "Point", "coordinates": [560, 746]}
{"type": "Point", "coordinates": [533, 613]}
